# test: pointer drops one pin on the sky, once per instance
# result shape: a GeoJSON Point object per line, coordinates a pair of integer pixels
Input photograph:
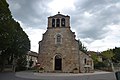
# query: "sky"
{"type": "Point", "coordinates": [95, 22]}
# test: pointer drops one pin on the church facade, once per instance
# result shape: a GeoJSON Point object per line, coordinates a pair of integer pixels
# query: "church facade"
{"type": "Point", "coordinates": [59, 50]}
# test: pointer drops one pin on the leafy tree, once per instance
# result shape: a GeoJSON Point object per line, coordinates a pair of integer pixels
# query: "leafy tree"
{"type": "Point", "coordinates": [108, 54]}
{"type": "Point", "coordinates": [82, 47]}
{"type": "Point", "coordinates": [5, 21]}
{"type": "Point", "coordinates": [14, 42]}
{"type": "Point", "coordinates": [21, 63]}
{"type": "Point", "coordinates": [5, 36]}
{"type": "Point", "coordinates": [116, 56]}
{"type": "Point", "coordinates": [94, 56]}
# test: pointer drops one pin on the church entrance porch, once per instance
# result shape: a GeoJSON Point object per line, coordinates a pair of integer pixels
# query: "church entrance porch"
{"type": "Point", "coordinates": [58, 63]}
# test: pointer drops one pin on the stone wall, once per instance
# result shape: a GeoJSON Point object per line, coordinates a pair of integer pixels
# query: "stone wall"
{"type": "Point", "coordinates": [68, 49]}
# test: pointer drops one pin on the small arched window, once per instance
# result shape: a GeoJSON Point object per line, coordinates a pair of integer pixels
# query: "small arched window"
{"type": "Point", "coordinates": [85, 61]}
{"type": "Point", "coordinates": [63, 22]}
{"type": "Point", "coordinates": [53, 22]}
{"type": "Point", "coordinates": [58, 23]}
{"type": "Point", "coordinates": [58, 39]}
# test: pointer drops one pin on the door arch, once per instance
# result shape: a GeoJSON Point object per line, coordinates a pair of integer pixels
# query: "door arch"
{"type": "Point", "coordinates": [58, 62]}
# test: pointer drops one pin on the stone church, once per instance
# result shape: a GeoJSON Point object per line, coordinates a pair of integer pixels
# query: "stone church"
{"type": "Point", "coordinates": [59, 50]}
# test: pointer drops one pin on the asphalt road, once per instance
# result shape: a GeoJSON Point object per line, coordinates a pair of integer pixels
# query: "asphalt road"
{"type": "Point", "coordinates": [11, 76]}
{"type": "Point", "coordinates": [55, 76]}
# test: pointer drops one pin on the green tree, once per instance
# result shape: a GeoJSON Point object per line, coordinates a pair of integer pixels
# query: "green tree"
{"type": "Point", "coordinates": [94, 56]}
{"type": "Point", "coordinates": [5, 21]}
{"type": "Point", "coordinates": [82, 47]}
{"type": "Point", "coordinates": [108, 54]}
{"type": "Point", "coordinates": [116, 52]}
{"type": "Point", "coordinates": [5, 36]}
{"type": "Point", "coordinates": [14, 42]}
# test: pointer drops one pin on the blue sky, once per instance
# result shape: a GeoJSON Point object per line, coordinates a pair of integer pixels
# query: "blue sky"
{"type": "Point", "coordinates": [95, 22]}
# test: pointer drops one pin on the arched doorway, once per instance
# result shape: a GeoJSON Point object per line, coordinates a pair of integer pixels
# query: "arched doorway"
{"type": "Point", "coordinates": [58, 62]}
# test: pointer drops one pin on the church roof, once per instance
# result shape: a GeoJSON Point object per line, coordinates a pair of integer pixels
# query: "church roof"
{"type": "Point", "coordinates": [59, 15]}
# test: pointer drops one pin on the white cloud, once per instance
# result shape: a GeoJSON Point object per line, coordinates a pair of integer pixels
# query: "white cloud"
{"type": "Point", "coordinates": [35, 36]}
{"type": "Point", "coordinates": [96, 22]}
{"type": "Point", "coordinates": [15, 6]}
{"type": "Point", "coordinates": [61, 5]}
{"type": "Point", "coordinates": [111, 40]}
{"type": "Point", "coordinates": [87, 14]}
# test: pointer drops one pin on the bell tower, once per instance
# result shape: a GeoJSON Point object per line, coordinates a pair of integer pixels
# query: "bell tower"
{"type": "Point", "coordinates": [59, 21]}
{"type": "Point", "coordinates": [59, 50]}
